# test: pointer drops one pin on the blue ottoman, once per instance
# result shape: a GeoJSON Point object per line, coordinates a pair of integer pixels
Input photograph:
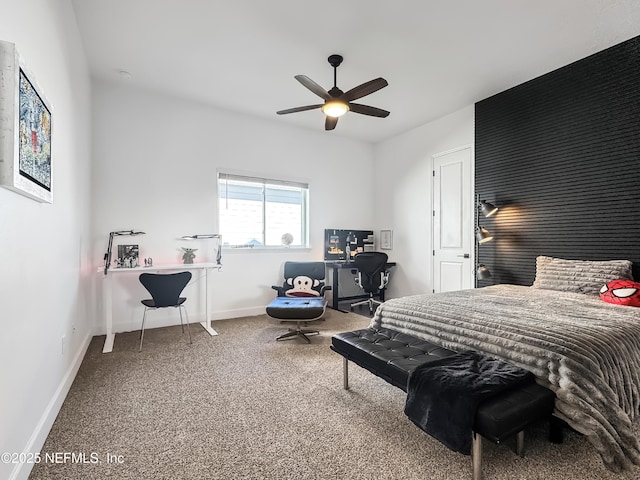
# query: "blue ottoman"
{"type": "Point", "coordinates": [297, 309]}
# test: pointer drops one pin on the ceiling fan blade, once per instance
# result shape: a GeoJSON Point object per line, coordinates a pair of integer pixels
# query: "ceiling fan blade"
{"type": "Point", "coordinates": [313, 86]}
{"type": "Point", "coordinates": [366, 89]}
{"type": "Point", "coordinates": [367, 110]}
{"type": "Point", "coordinates": [330, 123]}
{"type": "Point", "coordinates": [298, 109]}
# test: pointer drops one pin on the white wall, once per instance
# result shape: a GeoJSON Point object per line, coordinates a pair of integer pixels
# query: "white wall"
{"type": "Point", "coordinates": [45, 248]}
{"type": "Point", "coordinates": [403, 200]}
{"type": "Point", "coordinates": [155, 163]}
{"type": "Point", "coordinates": [149, 162]}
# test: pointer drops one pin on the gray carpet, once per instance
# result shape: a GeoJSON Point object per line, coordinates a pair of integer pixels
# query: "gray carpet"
{"type": "Point", "coordinates": [241, 405]}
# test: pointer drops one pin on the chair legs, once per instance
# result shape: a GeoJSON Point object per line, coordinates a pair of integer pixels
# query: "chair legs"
{"type": "Point", "coordinates": [144, 316]}
{"type": "Point", "coordinates": [298, 332]}
{"type": "Point", "coordinates": [369, 301]}
{"type": "Point", "coordinates": [182, 324]}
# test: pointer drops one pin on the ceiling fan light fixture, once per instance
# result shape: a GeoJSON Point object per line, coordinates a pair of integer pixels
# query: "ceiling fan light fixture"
{"type": "Point", "coordinates": [335, 108]}
{"type": "Point", "coordinates": [336, 102]}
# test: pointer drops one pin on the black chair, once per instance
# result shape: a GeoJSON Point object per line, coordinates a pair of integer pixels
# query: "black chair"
{"type": "Point", "coordinates": [372, 276]}
{"type": "Point", "coordinates": [165, 290]}
{"type": "Point", "coordinates": [300, 298]}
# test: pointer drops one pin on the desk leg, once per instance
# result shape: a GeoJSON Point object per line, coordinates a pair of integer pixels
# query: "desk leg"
{"type": "Point", "coordinates": [108, 314]}
{"type": "Point", "coordinates": [334, 289]}
{"type": "Point", "coordinates": [207, 314]}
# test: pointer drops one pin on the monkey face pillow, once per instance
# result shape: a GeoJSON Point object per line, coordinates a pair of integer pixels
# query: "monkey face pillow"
{"type": "Point", "coordinates": [621, 292]}
{"type": "Point", "coordinates": [302, 286]}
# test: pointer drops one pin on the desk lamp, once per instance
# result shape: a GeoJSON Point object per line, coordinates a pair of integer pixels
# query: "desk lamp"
{"type": "Point", "coordinates": [208, 235]}
{"type": "Point", "coordinates": [107, 256]}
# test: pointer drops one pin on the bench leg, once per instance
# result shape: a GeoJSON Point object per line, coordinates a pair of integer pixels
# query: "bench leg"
{"type": "Point", "coordinates": [520, 443]}
{"type": "Point", "coordinates": [476, 456]}
{"type": "Point", "coordinates": [345, 372]}
{"type": "Point", "coordinates": [556, 427]}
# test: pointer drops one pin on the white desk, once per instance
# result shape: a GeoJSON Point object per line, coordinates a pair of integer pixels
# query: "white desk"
{"type": "Point", "coordinates": [108, 294]}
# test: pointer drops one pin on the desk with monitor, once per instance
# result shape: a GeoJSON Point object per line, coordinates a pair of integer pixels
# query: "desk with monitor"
{"type": "Point", "coordinates": [340, 246]}
{"type": "Point", "coordinates": [335, 268]}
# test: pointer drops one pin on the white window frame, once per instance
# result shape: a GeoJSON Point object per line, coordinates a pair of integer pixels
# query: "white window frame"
{"type": "Point", "coordinates": [265, 181]}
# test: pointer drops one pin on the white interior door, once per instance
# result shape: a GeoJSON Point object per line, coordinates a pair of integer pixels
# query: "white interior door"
{"type": "Point", "coordinates": [452, 220]}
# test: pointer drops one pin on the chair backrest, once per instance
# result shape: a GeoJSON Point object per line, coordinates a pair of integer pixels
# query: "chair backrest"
{"type": "Point", "coordinates": [165, 289]}
{"type": "Point", "coordinates": [303, 279]}
{"type": "Point", "coordinates": [370, 264]}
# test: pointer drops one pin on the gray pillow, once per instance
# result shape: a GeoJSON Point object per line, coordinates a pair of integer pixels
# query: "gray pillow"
{"type": "Point", "coordinates": [579, 276]}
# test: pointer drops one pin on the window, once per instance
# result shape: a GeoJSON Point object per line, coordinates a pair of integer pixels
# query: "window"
{"type": "Point", "coordinates": [261, 212]}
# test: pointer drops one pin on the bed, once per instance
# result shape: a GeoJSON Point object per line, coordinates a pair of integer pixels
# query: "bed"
{"type": "Point", "coordinates": [586, 350]}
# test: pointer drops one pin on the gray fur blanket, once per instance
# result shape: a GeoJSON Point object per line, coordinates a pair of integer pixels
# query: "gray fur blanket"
{"type": "Point", "coordinates": [585, 350]}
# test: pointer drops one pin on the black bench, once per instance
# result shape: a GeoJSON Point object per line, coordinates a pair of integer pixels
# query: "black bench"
{"type": "Point", "coordinates": [392, 356]}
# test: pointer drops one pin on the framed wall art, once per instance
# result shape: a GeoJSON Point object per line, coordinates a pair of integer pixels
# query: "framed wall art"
{"type": "Point", "coordinates": [386, 239]}
{"type": "Point", "coordinates": [25, 129]}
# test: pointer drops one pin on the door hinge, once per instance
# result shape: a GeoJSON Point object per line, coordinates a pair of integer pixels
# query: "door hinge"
{"type": "Point", "coordinates": [434, 253]}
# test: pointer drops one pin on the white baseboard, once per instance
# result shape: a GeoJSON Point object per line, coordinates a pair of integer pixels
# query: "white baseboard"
{"type": "Point", "coordinates": [39, 435]}
{"type": "Point", "coordinates": [156, 319]}
{"type": "Point", "coordinates": [43, 427]}
{"type": "Point", "coordinates": [239, 312]}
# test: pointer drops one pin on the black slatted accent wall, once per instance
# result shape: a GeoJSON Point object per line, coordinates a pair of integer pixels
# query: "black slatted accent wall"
{"type": "Point", "coordinates": [560, 156]}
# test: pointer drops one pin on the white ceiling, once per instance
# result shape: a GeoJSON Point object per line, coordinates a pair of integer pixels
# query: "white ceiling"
{"type": "Point", "coordinates": [437, 55]}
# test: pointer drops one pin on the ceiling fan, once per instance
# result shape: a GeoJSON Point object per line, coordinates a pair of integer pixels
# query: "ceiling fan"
{"type": "Point", "coordinates": [336, 102]}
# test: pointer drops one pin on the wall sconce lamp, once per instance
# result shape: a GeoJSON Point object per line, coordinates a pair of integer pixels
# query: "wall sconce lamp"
{"type": "Point", "coordinates": [205, 236]}
{"type": "Point", "coordinates": [107, 256]}
{"type": "Point", "coordinates": [487, 208]}
{"type": "Point", "coordinates": [482, 236]}
{"type": "Point", "coordinates": [483, 272]}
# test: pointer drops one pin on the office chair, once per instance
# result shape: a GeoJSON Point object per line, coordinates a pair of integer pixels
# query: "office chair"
{"type": "Point", "coordinates": [372, 276]}
{"type": "Point", "coordinates": [300, 298]}
{"type": "Point", "coordinates": [165, 290]}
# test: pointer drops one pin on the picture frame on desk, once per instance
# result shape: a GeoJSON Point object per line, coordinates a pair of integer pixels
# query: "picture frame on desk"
{"type": "Point", "coordinates": [128, 256]}
{"type": "Point", "coordinates": [25, 129]}
{"type": "Point", "coordinates": [386, 239]}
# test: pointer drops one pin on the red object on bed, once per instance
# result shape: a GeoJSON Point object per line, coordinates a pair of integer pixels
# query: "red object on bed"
{"type": "Point", "coordinates": [621, 292]}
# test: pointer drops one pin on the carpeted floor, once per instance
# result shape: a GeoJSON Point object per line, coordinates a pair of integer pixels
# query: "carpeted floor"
{"type": "Point", "coordinates": [243, 406]}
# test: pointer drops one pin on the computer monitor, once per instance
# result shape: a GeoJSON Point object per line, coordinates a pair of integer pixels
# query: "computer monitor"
{"type": "Point", "coordinates": [340, 245]}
